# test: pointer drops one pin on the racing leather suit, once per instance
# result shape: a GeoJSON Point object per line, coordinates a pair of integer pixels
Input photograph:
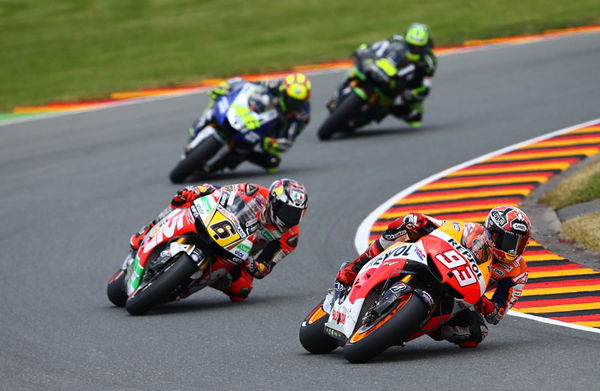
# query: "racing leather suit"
{"type": "Point", "coordinates": [288, 128]}
{"type": "Point", "coordinates": [467, 328]}
{"type": "Point", "coordinates": [409, 104]}
{"type": "Point", "coordinates": [270, 244]}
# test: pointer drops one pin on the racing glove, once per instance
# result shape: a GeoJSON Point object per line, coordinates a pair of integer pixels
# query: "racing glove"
{"type": "Point", "coordinates": [415, 221]}
{"type": "Point", "coordinates": [222, 89]}
{"type": "Point", "coordinates": [185, 196]}
{"type": "Point", "coordinates": [257, 269]}
{"type": "Point", "coordinates": [360, 51]}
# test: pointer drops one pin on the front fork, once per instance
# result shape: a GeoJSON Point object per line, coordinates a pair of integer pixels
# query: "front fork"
{"type": "Point", "coordinates": [390, 295]}
{"type": "Point", "coordinates": [135, 272]}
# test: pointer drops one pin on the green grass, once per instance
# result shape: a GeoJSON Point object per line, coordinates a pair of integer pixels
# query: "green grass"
{"type": "Point", "coordinates": [53, 50]}
{"type": "Point", "coordinates": [581, 187]}
{"type": "Point", "coordinates": [583, 231]}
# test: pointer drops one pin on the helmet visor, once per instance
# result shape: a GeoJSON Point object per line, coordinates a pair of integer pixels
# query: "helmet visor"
{"type": "Point", "coordinates": [416, 49]}
{"type": "Point", "coordinates": [293, 105]}
{"type": "Point", "coordinates": [287, 215]}
{"type": "Point", "coordinates": [509, 242]}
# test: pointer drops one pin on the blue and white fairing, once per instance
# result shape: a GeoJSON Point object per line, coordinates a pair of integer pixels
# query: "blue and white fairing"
{"type": "Point", "coordinates": [251, 122]}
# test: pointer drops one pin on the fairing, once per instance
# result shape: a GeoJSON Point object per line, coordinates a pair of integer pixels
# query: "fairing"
{"type": "Point", "coordinates": [439, 254]}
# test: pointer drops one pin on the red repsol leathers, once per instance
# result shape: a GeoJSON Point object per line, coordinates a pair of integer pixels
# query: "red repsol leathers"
{"type": "Point", "coordinates": [508, 279]}
{"type": "Point", "coordinates": [270, 244]}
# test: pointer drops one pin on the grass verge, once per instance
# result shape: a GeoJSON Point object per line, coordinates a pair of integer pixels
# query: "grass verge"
{"type": "Point", "coordinates": [583, 231]}
{"type": "Point", "coordinates": [83, 49]}
{"type": "Point", "coordinates": [581, 187]}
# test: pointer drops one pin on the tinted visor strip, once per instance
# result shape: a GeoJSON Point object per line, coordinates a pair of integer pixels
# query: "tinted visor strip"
{"type": "Point", "coordinates": [289, 215]}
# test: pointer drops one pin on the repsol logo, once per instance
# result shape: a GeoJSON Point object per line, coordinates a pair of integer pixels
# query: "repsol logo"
{"type": "Point", "coordinates": [467, 254]}
{"type": "Point", "coordinates": [401, 251]}
{"type": "Point", "coordinates": [338, 317]}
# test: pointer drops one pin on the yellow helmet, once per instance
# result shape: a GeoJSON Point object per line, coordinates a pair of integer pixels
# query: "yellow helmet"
{"type": "Point", "coordinates": [294, 92]}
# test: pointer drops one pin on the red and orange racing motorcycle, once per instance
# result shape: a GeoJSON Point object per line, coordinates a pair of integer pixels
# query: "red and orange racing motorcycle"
{"type": "Point", "coordinates": [407, 291]}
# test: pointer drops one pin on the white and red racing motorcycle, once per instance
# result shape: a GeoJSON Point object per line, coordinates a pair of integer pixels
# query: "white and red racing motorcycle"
{"type": "Point", "coordinates": [188, 248]}
{"type": "Point", "coordinates": [407, 291]}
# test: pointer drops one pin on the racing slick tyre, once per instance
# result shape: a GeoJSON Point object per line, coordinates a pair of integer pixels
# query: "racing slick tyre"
{"type": "Point", "coordinates": [115, 290]}
{"type": "Point", "coordinates": [312, 332]}
{"type": "Point", "coordinates": [390, 328]}
{"type": "Point", "coordinates": [339, 117]}
{"type": "Point", "coordinates": [161, 288]}
{"type": "Point", "coordinates": [195, 159]}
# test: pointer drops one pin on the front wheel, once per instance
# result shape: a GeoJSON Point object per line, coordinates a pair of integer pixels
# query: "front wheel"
{"type": "Point", "coordinates": [312, 332]}
{"type": "Point", "coordinates": [340, 116]}
{"type": "Point", "coordinates": [392, 328]}
{"type": "Point", "coordinates": [195, 159]}
{"type": "Point", "coordinates": [115, 289]}
{"type": "Point", "coordinates": [163, 286]}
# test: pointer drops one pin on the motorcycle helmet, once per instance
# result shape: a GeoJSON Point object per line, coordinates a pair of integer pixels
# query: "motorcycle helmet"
{"type": "Point", "coordinates": [294, 92]}
{"type": "Point", "coordinates": [417, 41]}
{"type": "Point", "coordinates": [288, 202]}
{"type": "Point", "coordinates": [509, 229]}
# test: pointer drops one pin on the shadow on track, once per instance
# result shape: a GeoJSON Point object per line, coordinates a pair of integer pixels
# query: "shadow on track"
{"type": "Point", "coordinates": [380, 132]}
{"type": "Point", "coordinates": [247, 174]}
{"type": "Point", "coordinates": [415, 352]}
{"type": "Point", "coordinates": [205, 304]}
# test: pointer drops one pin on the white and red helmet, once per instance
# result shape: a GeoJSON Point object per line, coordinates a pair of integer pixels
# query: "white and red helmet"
{"type": "Point", "coordinates": [509, 229]}
{"type": "Point", "coordinates": [288, 202]}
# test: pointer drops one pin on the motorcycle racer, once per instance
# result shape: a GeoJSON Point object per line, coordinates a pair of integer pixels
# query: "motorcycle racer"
{"type": "Point", "coordinates": [417, 41]}
{"type": "Point", "coordinates": [289, 96]}
{"type": "Point", "coordinates": [278, 209]}
{"type": "Point", "coordinates": [503, 237]}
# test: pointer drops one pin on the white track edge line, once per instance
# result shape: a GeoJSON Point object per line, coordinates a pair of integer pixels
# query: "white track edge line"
{"type": "Point", "coordinates": [553, 321]}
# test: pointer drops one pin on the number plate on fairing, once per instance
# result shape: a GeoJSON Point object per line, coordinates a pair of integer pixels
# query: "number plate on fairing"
{"type": "Point", "coordinates": [222, 224]}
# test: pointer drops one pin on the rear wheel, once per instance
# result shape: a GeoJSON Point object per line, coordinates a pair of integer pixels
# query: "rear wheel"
{"type": "Point", "coordinates": [391, 328]}
{"type": "Point", "coordinates": [338, 120]}
{"type": "Point", "coordinates": [115, 289]}
{"type": "Point", "coordinates": [171, 278]}
{"type": "Point", "coordinates": [195, 159]}
{"type": "Point", "coordinates": [312, 332]}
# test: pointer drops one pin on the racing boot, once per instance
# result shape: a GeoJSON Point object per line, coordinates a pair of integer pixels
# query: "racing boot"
{"type": "Point", "coordinates": [241, 284]}
{"type": "Point", "coordinates": [137, 238]}
{"type": "Point", "coordinates": [411, 113]}
{"type": "Point", "coordinates": [467, 329]}
{"type": "Point", "coordinates": [268, 160]}
{"type": "Point", "coordinates": [415, 115]}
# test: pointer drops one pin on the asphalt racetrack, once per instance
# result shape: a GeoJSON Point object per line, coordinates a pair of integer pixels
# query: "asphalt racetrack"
{"type": "Point", "coordinates": [75, 187]}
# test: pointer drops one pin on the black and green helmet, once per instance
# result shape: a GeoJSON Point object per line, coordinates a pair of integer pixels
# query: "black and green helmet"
{"type": "Point", "coordinates": [418, 40]}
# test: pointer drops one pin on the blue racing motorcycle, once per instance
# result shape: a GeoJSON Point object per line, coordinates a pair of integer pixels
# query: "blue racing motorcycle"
{"type": "Point", "coordinates": [233, 128]}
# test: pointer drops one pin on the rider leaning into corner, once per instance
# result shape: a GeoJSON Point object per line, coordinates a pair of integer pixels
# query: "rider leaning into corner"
{"type": "Point", "coordinates": [278, 209]}
{"type": "Point", "coordinates": [417, 41]}
{"type": "Point", "coordinates": [289, 96]}
{"type": "Point", "coordinates": [503, 237]}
